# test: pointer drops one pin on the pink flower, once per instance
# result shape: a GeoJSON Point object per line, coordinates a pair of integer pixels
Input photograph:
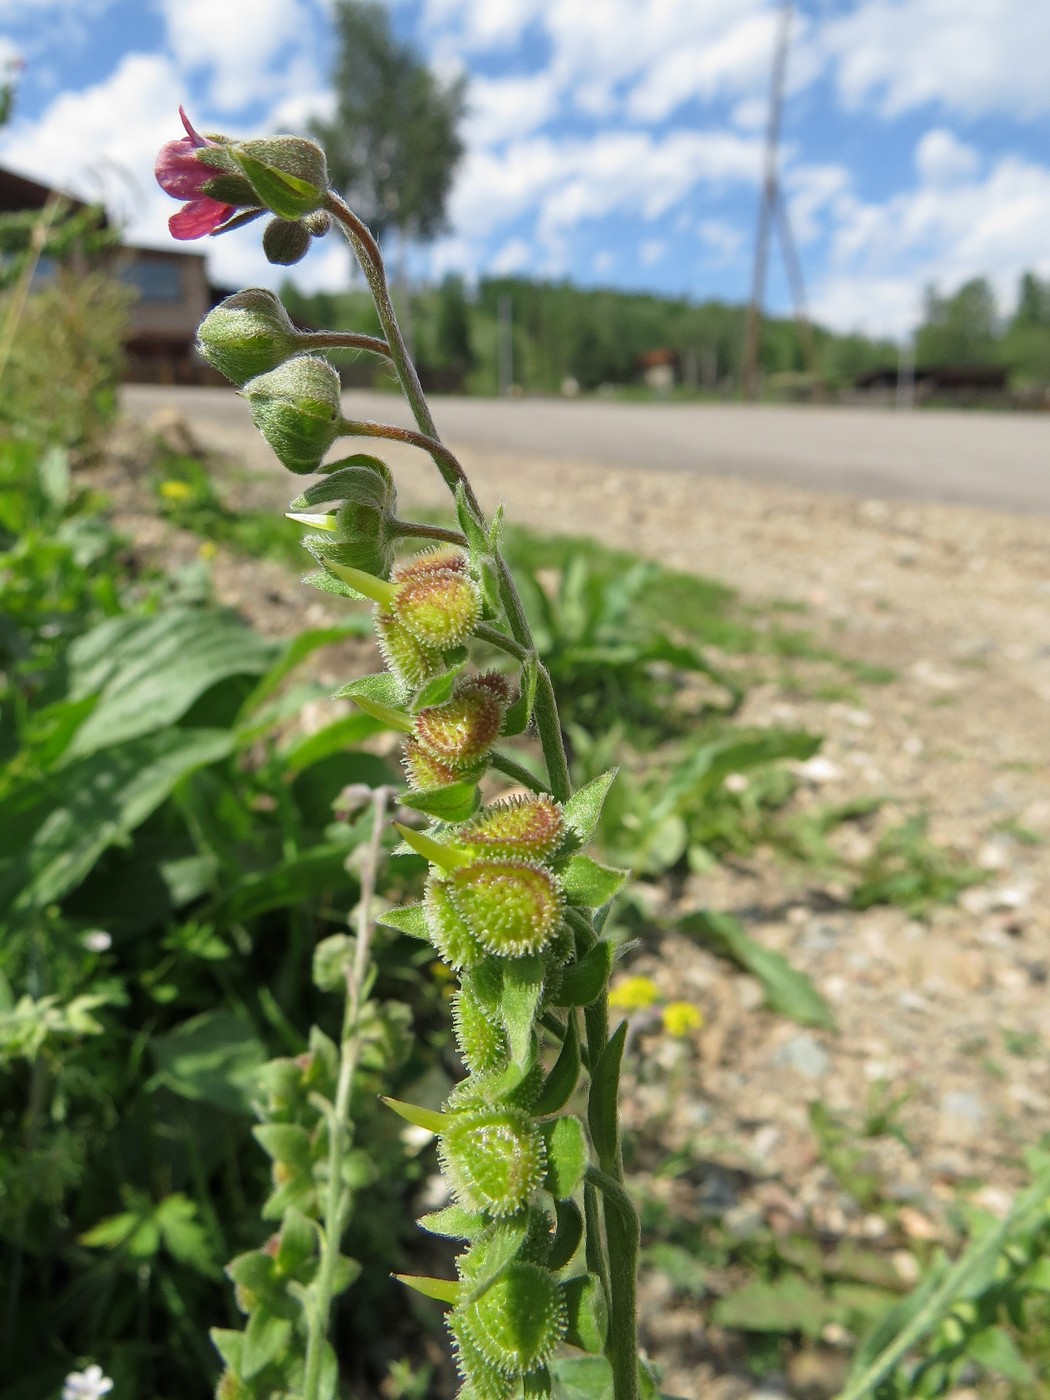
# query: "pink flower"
{"type": "Point", "coordinates": [183, 175]}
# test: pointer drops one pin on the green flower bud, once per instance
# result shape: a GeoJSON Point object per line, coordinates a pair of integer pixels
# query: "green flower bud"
{"type": "Point", "coordinates": [246, 335]}
{"type": "Point", "coordinates": [411, 661]}
{"type": "Point", "coordinates": [510, 906]}
{"type": "Point", "coordinates": [527, 827]}
{"type": "Point", "coordinates": [493, 1159]}
{"type": "Point", "coordinates": [459, 733]}
{"type": "Point", "coordinates": [288, 173]}
{"type": "Point", "coordinates": [285, 241]}
{"type": "Point", "coordinates": [441, 608]}
{"type": "Point", "coordinates": [448, 932]}
{"type": "Point", "coordinates": [518, 1321]}
{"type": "Point", "coordinates": [296, 408]}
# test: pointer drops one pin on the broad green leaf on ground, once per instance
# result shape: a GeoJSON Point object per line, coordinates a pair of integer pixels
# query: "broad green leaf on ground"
{"type": "Point", "coordinates": [148, 671]}
{"type": "Point", "coordinates": [53, 831]}
{"type": "Point", "coordinates": [787, 990]}
{"type": "Point", "coordinates": [213, 1058]}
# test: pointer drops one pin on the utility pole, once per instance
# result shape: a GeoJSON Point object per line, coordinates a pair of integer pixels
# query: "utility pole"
{"type": "Point", "coordinates": [772, 208]}
{"type": "Point", "coordinates": [505, 344]}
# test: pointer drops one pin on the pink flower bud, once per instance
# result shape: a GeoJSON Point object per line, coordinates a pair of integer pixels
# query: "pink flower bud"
{"type": "Point", "coordinates": [184, 173]}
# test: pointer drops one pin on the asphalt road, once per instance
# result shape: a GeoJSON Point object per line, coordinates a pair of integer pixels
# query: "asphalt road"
{"type": "Point", "coordinates": [995, 460]}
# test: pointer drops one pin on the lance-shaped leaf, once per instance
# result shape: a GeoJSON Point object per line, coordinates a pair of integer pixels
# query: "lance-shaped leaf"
{"type": "Point", "coordinates": [560, 1084]}
{"type": "Point", "coordinates": [444, 1290]}
{"type": "Point", "coordinates": [584, 981]}
{"type": "Point", "coordinates": [587, 1312]}
{"type": "Point", "coordinates": [584, 808]}
{"type": "Point", "coordinates": [602, 1102]}
{"type": "Point", "coordinates": [522, 990]}
{"type": "Point", "coordinates": [406, 918]}
{"type": "Point", "coordinates": [455, 802]}
{"type": "Point", "coordinates": [567, 1156]}
{"type": "Point", "coordinates": [567, 1236]}
{"type": "Point", "coordinates": [589, 883]}
{"type": "Point", "coordinates": [419, 1117]}
{"type": "Point", "coordinates": [440, 853]}
{"type": "Point", "coordinates": [517, 718]}
{"type": "Point", "coordinates": [454, 1223]}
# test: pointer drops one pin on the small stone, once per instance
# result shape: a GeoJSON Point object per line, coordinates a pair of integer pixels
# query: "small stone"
{"type": "Point", "coordinates": [905, 1266]}
{"type": "Point", "coordinates": [818, 770]}
{"type": "Point", "coordinates": [916, 1225]}
{"type": "Point", "coordinates": [805, 1056]}
{"type": "Point", "coordinates": [962, 1114]}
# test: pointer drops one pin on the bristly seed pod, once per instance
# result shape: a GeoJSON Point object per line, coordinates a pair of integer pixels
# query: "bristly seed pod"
{"type": "Point", "coordinates": [511, 907]}
{"type": "Point", "coordinates": [518, 1321]}
{"type": "Point", "coordinates": [431, 561]}
{"type": "Point", "coordinates": [441, 607]}
{"type": "Point", "coordinates": [494, 1159]}
{"type": "Point", "coordinates": [481, 1380]}
{"type": "Point", "coordinates": [527, 827]}
{"type": "Point", "coordinates": [409, 659]}
{"type": "Point", "coordinates": [481, 1039]}
{"type": "Point", "coordinates": [459, 733]}
{"type": "Point", "coordinates": [447, 930]}
{"type": "Point", "coordinates": [496, 1088]}
{"type": "Point", "coordinates": [425, 771]}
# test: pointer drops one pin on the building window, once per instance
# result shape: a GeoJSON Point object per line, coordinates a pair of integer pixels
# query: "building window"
{"type": "Point", "coordinates": [155, 279]}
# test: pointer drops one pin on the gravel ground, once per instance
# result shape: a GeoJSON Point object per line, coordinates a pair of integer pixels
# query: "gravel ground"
{"type": "Point", "coordinates": [953, 1009]}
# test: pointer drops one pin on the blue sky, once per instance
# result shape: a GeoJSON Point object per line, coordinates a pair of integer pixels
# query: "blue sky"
{"type": "Point", "coordinates": [616, 142]}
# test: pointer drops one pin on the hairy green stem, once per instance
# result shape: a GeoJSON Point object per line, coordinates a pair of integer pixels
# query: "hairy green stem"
{"type": "Point", "coordinates": [447, 463]}
{"type": "Point", "coordinates": [622, 1237]}
{"type": "Point", "coordinates": [510, 768]}
{"type": "Point", "coordinates": [420, 530]}
{"type": "Point", "coordinates": [343, 340]}
{"type": "Point", "coordinates": [337, 1201]}
{"type": "Point", "coordinates": [485, 632]}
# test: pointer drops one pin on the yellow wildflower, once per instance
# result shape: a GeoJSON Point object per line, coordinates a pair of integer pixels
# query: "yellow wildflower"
{"type": "Point", "coordinates": [681, 1017]}
{"type": "Point", "coordinates": [208, 549]}
{"type": "Point", "coordinates": [176, 490]}
{"type": "Point", "coordinates": [633, 993]}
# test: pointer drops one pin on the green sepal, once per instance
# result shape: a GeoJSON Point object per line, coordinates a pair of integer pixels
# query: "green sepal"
{"type": "Point", "coordinates": [583, 982]}
{"type": "Point", "coordinates": [587, 1311]}
{"type": "Point", "coordinates": [522, 990]}
{"type": "Point", "coordinates": [254, 1271]}
{"type": "Point", "coordinates": [519, 715]}
{"type": "Point", "coordinates": [406, 918]}
{"type": "Point", "coordinates": [567, 1236]}
{"type": "Point", "coordinates": [368, 585]}
{"type": "Point", "coordinates": [602, 1102]}
{"type": "Point", "coordinates": [490, 1255]}
{"type": "Point", "coordinates": [229, 1343]}
{"type": "Point", "coordinates": [559, 1085]}
{"type": "Point", "coordinates": [297, 1242]}
{"type": "Point", "coordinates": [284, 194]}
{"type": "Point", "coordinates": [567, 1156]}
{"type": "Point", "coordinates": [536, 1385]}
{"type": "Point", "coordinates": [583, 810]}
{"type": "Point", "coordinates": [439, 853]}
{"type": "Point", "coordinates": [426, 1118]}
{"type": "Point", "coordinates": [453, 803]}
{"type": "Point", "coordinates": [488, 586]}
{"type": "Point", "coordinates": [327, 583]}
{"type": "Point", "coordinates": [362, 479]}
{"type": "Point", "coordinates": [436, 690]}
{"type": "Point", "coordinates": [589, 883]}
{"type": "Point", "coordinates": [380, 697]}
{"type": "Point", "coordinates": [265, 1338]}
{"type": "Point", "coordinates": [496, 528]}
{"type": "Point", "coordinates": [454, 1223]}
{"type": "Point", "coordinates": [443, 1289]}
{"type": "Point", "coordinates": [285, 1142]}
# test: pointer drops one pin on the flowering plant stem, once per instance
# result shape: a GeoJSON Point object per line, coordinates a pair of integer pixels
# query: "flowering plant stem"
{"type": "Point", "coordinates": [337, 1200]}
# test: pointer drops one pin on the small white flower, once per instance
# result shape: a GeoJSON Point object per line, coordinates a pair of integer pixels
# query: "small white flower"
{"type": "Point", "coordinates": [97, 941]}
{"type": "Point", "coordinates": [86, 1385]}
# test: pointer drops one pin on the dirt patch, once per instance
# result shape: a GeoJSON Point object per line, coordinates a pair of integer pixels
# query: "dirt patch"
{"type": "Point", "coordinates": [949, 1011]}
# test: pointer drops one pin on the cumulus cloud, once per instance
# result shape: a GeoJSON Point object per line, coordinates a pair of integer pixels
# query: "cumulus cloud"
{"type": "Point", "coordinates": [941, 157]}
{"type": "Point", "coordinates": [651, 251]}
{"type": "Point", "coordinates": [514, 256]}
{"type": "Point", "coordinates": [509, 108]}
{"type": "Point", "coordinates": [971, 56]}
{"type": "Point", "coordinates": [237, 43]}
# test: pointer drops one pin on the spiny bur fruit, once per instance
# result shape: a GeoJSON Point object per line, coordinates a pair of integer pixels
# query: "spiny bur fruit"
{"type": "Point", "coordinates": [511, 907]}
{"type": "Point", "coordinates": [481, 1040]}
{"type": "Point", "coordinates": [459, 733]}
{"type": "Point", "coordinates": [441, 607]}
{"type": "Point", "coordinates": [411, 660]}
{"type": "Point", "coordinates": [448, 930]}
{"type": "Point", "coordinates": [530, 828]}
{"type": "Point", "coordinates": [481, 1380]}
{"type": "Point", "coordinates": [517, 1323]}
{"type": "Point", "coordinates": [296, 408]}
{"type": "Point", "coordinates": [494, 1158]}
{"type": "Point", "coordinates": [425, 771]}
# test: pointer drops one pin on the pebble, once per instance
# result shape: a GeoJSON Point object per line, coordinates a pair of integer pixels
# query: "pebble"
{"type": "Point", "coordinates": [805, 1056]}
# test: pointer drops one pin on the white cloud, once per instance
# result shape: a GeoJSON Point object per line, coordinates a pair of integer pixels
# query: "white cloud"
{"type": "Point", "coordinates": [238, 42]}
{"type": "Point", "coordinates": [724, 239]}
{"type": "Point", "coordinates": [814, 193]}
{"type": "Point", "coordinates": [514, 256]}
{"type": "Point", "coordinates": [735, 60]}
{"type": "Point", "coordinates": [883, 255]}
{"type": "Point", "coordinates": [651, 251]}
{"type": "Point", "coordinates": [941, 158]}
{"type": "Point", "coordinates": [604, 261]}
{"type": "Point", "coordinates": [972, 56]}
{"type": "Point", "coordinates": [505, 108]}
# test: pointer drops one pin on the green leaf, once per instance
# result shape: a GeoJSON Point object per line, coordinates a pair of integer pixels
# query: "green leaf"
{"type": "Point", "coordinates": [230, 1346]}
{"type": "Point", "coordinates": [790, 1304]}
{"type": "Point", "coordinates": [468, 524]}
{"type": "Point", "coordinates": [183, 1235]}
{"type": "Point", "coordinates": [588, 1312]}
{"type": "Point", "coordinates": [285, 1142]}
{"type": "Point", "coordinates": [53, 831]}
{"type": "Point", "coordinates": [286, 195]}
{"type": "Point", "coordinates": [787, 990]}
{"type": "Point", "coordinates": [582, 1378]}
{"type": "Point", "coordinates": [584, 808]}
{"type": "Point", "coordinates": [265, 1338]}
{"type": "Point", "coordinates": [454, 1223]}
{"type": "Point", "coordinates": [383, 688]}
{"type": "Point", "coordinates": [345, 481]}
{"type": "Point", "coordinates": [344, 733]}
{"type": "Point", "coordinates": [995, 1350]}
{"type": "Point", "coordinates": [214, 1058]}
{"type": "Point", "coordinates": [560, 1084]}
{"type": "Point", "coordinates": [584, 981]}
{"type": "Point", "coordinates": [149, 671]}
{"type": "Point", "coordinates": [568, 1235]}
{"type": "Point", "coordinates": [436, 690]}
{"type": "Point", "coordinates": [517, 718]}
{"type": "Point", "coordinates": [419, 1117]}
{"type": "Point", "coordinates": [522, 990]}
{"type": "Point", "coordinates": [302, 879]}
{"type": "Point", "coordinates": [444, 1290]}
{"type": "Point", "coordinates": [588, 883]}
{"type": "Point", "coordinates": [407, 918]}
{"type": "Point", "coordinates": [452, 803]}
{"type": "Point", "coordinates": [567, 1156]}
{"type": "Point", "coordinates": [602, 1103]}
